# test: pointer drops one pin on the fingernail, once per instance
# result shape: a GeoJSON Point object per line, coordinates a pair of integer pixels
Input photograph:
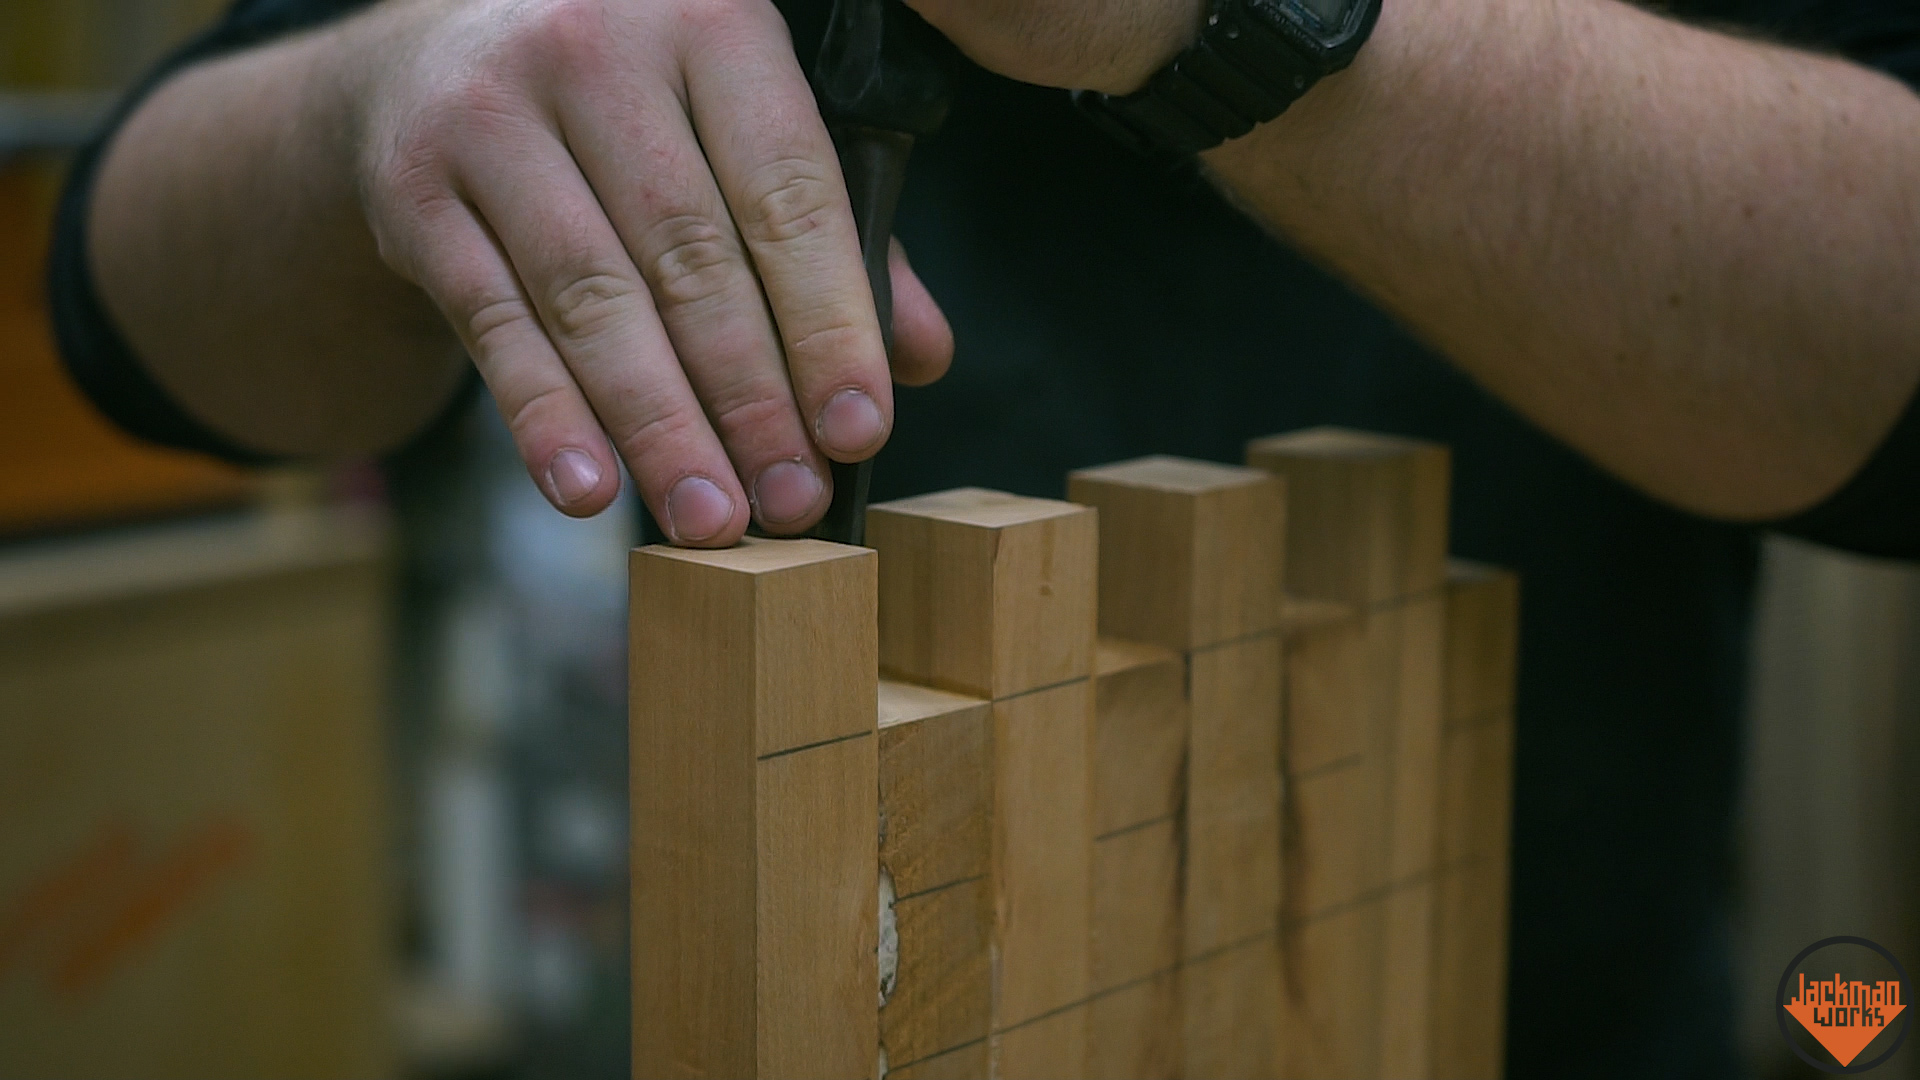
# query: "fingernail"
{"type": "Point", "coordinates": [850, 423]}
{"type": "Point", "coordinates": [698, 509]}
{"type": "Point", "coordinates": [784, 491]}
{"type": "Point", "coordinates": [573, 476]}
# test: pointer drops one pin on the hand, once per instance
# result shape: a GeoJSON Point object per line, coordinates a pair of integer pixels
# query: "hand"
{"type": "Point", "coordinates": [1108, 45]}
{"type": "Point", "coordinates": [634, 219]}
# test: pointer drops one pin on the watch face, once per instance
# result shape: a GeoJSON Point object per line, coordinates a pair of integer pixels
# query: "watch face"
{"type": "Point", "coordinates": [1331, 14]}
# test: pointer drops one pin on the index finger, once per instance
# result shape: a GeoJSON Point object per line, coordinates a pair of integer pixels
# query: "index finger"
{"type": "Point", "coordinates": [778, 170]}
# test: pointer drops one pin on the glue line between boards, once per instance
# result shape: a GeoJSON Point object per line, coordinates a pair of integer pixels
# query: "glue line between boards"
{"type": "Point", "coordinates": [814, 746]}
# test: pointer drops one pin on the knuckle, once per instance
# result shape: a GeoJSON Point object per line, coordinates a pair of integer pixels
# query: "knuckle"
{"type": "Point", "coordinates": [789, 200]}
{"type": "Point", "coordinates": [651, 440]}
{"type": "Point", "coordinates": [750, 406]}
{"type": "Point", "coordinates": [697, 262]}
{"type": "Point", "coordinates": [569, 32]}
{"type": "Point", "coordinates": [526, 419]}
{"type": "Point", "coordinates": [719, 16]}
{"type": "Point", "coordinates": [489, 319]}
{"type": "Point", "coordinates": [835, 339]}
{"type": "Point", "coordinates": [407, 177]}
{"type": "Point", "coordinates": [590, 304]}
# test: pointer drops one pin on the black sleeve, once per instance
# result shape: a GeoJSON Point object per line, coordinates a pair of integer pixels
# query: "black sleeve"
{"type": "Point", "coordinates": [96, 354]}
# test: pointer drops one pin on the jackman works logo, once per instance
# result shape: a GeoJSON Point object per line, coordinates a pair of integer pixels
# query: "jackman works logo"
{"type": "Point", "coordinates": [1839, 998]}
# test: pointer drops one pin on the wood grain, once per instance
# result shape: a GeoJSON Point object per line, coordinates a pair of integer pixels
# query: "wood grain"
{"type": "Point", "coordinates": [935, 786]}
{"type": "Point", "coordinates": [985, 593]}
{"type": "Point", "coordinates": [935, 848]}
{"type": "Point", "coordinates": [1363, 746]}
{"type": "Point", "coordinates": [1405, 644]}
{"type": "Point", "coordinates": [1052, 1047]}
{"type": "Point", "coordinates": [1233, 794]}
{"type": "Point", "coordinates": [1467, 992]}
{"type": "Point", "coordinates": [1336, 850]}
{"type": "Point", "coordinates": [1140, 735]}
{"type": "Point", "coordinates": [1136, 903]}
{"type": "Point", "coordinates": [1135, 1031]}
{"type": "Point", "coordinates": [753, 705]}
{"type": "Point", "coordinates": [1330, 995]}
{"type": "Point", "coordinates": [814, 972]}
{"type": "Point", "coordinates": [1405, 979]}
{"type": "Point", "coordinates": [943, 991]}
{"type": "Point", "coordinates": [1476, 806]}
{"type": "Point", "coordinates": [1483, 640]}
{"type": "Point", "coordinates": [969, 1062]}
{"type": "Point", "coordinates": [1326, 718]}
{"type": "Point", "coordinates": [1468, 995]}
{"type": "Point", "coordinates": [1190, 553]}
{"type": "Point", "coordinates": [1231, 998]}
{"type": "Point", "coordinates": [1367, 514]}
{"type": "Point", "coordinates": [1042, 851]}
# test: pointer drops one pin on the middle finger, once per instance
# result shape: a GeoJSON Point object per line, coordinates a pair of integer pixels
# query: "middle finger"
{"type": "Point", "coordinates": [639, 151]}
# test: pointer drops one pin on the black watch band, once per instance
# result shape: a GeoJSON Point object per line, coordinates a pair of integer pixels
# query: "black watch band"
{"type": "Point", "coordinates": [1253, 59]}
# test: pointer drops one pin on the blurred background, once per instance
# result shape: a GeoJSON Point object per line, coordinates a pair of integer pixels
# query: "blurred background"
{"type": "Point", "coordinates": [323, 773]}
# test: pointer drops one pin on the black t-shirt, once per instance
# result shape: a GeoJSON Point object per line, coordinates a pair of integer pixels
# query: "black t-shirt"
{"type": "Point", "coordinates": [1106, 308]}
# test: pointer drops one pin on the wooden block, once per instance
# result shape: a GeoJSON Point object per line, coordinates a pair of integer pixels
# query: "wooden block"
{"type": "Point", "coordinates": [985, 593]}
{"type": "Point", "coordinates": [1135, 1031]}
{"type": "Point", "coordinates": [1042, 852]}
{"type": "Point", "coordinates": [1468, 991]}
{"type": "Point", "coordinates": [935, 786]}
{"type": "Point", "coordinates": [1476, 803]}
{"type": "Point", "coordinates": [1336, 837]}
{"type": "Point", "coordinates": [1190, 551]}
{"type": "Point", "coordinates": [942, 992]}
{"type": "Point", "coordinates": [1233, 794]}
{"type": "Point", "coordinates": [1231, 1001]}
{"type": "Point", "coordinates": [1330, 995]}
{"type": "Point", "coordinates": [1367, 514]}
{"type": "Point", "coordinates": [753, 706]}
{"type": "Point", "coordinates": [1140, 734]}
{"type": "Point", "coordinates": [1053, 1047]}
{"type": "Point", "coordinates": [1298, 616]}
{"type": "Point", "coordinates": [1469, 977]}
{"type": "Point", "coordinates": [967, 1062]}
{"type": "Point", "coordinates": [1405, 978]}
{"type": "Point", "coordinates": [814, 892]}
{"type": "Point", "coordinates": [1405, 646]}
{"type": "Point", "coordinates": [1483, 637]}
{"type": "Point", "coordinates": [1326, 720]}
{"type": "Point", "coordinates": [935, 849]}
{"type": "Point", "coordinates": [1136, 903]}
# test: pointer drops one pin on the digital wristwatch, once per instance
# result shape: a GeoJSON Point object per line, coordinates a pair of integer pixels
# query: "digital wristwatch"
{"type": "Point", "coordinates": [1253, 59]}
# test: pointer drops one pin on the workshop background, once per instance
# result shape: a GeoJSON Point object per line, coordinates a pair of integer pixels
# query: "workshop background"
{"type": "Point", "coordinates": [323, 772]}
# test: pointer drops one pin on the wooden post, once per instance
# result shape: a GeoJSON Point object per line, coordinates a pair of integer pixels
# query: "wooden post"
{"type": "Point", "coordinates": [1190, 559]}
{"type": "Point", "coordinates": [992, 595]}
{"type": "Point", "coordinates": [1468, 992]}
{"type": "Point", "coordinates": [754, 704]}
{"type": "Point", "coordinates": [1368, 530]}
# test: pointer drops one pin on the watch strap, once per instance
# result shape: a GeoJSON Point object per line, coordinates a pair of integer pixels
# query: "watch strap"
{"type": "Point", "coordinates": [1245, 68]}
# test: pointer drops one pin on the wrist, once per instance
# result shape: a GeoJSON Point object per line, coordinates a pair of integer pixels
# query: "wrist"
{"type": "Point", "coordinates": [1178, 28]}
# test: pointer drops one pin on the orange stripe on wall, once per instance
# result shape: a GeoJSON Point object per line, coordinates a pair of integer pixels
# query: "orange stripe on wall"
{"type": "Point", "coordinates": [183, 874]}
{"type": "Point", "coordinates": [100, 863]}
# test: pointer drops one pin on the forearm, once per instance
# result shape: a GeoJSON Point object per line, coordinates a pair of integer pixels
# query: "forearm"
{"type": "Point", "coordinates": [229, 244]}
{"type": "Point", "coordinates": [1692, 257]}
